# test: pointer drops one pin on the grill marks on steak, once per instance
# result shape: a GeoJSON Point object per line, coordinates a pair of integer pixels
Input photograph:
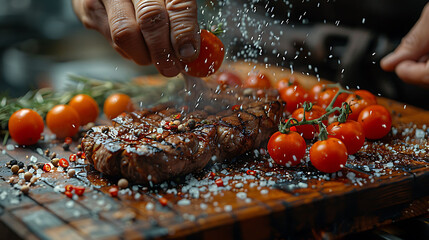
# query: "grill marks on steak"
{"type": "Point", "coordinates": [139, 147]}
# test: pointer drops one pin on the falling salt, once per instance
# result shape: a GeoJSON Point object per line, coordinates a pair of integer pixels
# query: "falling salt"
{"type": "Point", "coordinates": [39, 151]}
{"type": "Point", "coordinates": [420, 134]}
{"type": "Point", "coordinates": [3, 152]}
{"type": "Point", "coordinates": [363, 20]}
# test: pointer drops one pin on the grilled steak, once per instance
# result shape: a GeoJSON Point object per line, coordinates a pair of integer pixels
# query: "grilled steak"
{"type": "Point", "coordinates": [163, 142]}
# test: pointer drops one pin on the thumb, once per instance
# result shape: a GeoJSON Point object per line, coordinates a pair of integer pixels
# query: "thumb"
{"type": "Point", "coordinates": [184, 30]}
{"type": "Point", "coordinates": [414, 45]}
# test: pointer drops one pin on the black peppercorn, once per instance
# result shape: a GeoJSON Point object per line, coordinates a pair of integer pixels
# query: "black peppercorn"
{"type": "Point", "coordinates": [20, 164]}
{"type": "Point", "coordinates": [13, 162]}
{"type": "Point", "coordinates": [66, 146]}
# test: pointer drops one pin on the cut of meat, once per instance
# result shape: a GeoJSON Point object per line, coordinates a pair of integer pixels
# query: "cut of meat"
{"type": "Point", "coordinates": [164, 142]}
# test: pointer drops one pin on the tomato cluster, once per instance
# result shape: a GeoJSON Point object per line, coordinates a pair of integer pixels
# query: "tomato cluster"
{"type": "Point", "coordinates": [354, 116]}
{"type": "Point", "coordinates": [26, 125]}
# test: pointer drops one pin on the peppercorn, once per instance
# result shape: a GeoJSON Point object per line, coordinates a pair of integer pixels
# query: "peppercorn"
{"type": "Point", "coordinates": [21, 171]}
{"type": "Point", "coordinates": [66, 146]}
{"type": "Point", "coordinates": [33, 179]}
{"type": "Point", "coordinates": [25, 189]}
{"type": "Point", "coordinates": [14, 169]}
{"type": "Point", "coordinates": [53, 155]}
{"type": "Point", "coordinates": [30, 166]}
{"type": "Point", "coordinates": [181, 128]}
{"type": "Point", "coordinates": [71, 173]}
{"type": "Point", "coordinates": [13, 162]}
{"type": "Point", "coordinates": [55, 162]}
{"type": "Point", "coordinates": [20, 164]}
{"type": "Point", "coordinates": [40, 165]}
{"type": "Point", "coordinates": [123, 183]}
{"type": "Point", "coordinates": [28, 176]}
{"type": "Point", "coordinates": [47, 151]}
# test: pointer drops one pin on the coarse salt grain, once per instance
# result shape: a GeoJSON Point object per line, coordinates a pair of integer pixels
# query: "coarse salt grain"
{"type": "Point", "coordinates": [33, 159]}
{"type": "Point", "coordinates": [227, 208]}
{"type": "Point", "coordinates": [150, 206]}
{"type": "Point", "coordinates": [241, 195]}
{"type": "Point", "coordinates": [264, 191]}
{"type": "Point", "coordinates": [10, 147]}
{"type": "Point", "coordinates": [184, 202]}
{"type": "Point", "coordinates": [203, 206]}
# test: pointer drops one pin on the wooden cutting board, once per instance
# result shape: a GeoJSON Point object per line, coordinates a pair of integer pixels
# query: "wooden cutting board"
{"type": "Point", "coordinates": [374, 189]}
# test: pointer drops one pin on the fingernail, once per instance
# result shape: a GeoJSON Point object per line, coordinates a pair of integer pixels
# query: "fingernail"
{"type": "Point", "coordinates": [170, 72]}
{"type": "Point", "coordinates": [187, 50]}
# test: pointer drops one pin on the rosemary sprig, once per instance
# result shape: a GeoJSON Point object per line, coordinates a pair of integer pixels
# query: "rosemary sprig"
{"type": "Point", "coordinates": [42, 100]}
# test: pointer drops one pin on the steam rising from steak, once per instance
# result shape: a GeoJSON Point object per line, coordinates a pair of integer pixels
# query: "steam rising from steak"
{"type": "Point", "coordinates": [157, 144]}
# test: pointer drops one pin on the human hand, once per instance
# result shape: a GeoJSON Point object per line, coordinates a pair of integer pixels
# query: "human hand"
{"type": "Point", "coordinates": [159, 32]}
{"type": "Point", "coordinates": [410, 60]}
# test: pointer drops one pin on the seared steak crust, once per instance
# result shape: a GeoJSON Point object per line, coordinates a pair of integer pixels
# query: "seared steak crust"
{"type": "Point", "coordinates": [149, 146]}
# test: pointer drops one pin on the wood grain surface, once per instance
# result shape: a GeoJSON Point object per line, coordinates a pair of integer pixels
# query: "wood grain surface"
{"type": "Point", "coordinates": [387, 181]}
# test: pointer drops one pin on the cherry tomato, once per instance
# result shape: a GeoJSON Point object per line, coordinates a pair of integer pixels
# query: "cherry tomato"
{"type": "Point", "coordinates": [358, 101]}
{"type": "Point", "coordinates": [63, 163]}
{"type": "Point", "coordinates": [314, 92]}
{"type": "Point", "coordinates": [294, 96]}
{"type": "Point", "coordinates": [376, 121]}
{"type": "Point", "coordinates": [68, 140]}
{"type": "Point", "coordinates": [259, 80]}
{"type": "Point", "coordinates": [309, 131]}
{"type": "Point", "coordinates": [63, 121]}
{"type": "Point", "coordinates": [325, 97]}
{"type": "Point", "coordinates": [286, 149]}
{"type": "Point", "coordinates": [229, 78]}
{"type": "Point", "coordinates": [329, 155]}
{"type": "Point", "coordinates": [86, 107]}
{"type": "Point", "coordinates": [79, 190]}
{"type": "Point", "coordinates": [25, 126]}
{"type": "Point", "coordinates": [350, 133]}
{"type": "Point", "coordinates": [113, 191]}
{"type": "Point", "coordinates": [286, 82]}
{"type": "Point", "coordinates": [116, 104]}
{"type": "Point", "coordinates": [210, 58]}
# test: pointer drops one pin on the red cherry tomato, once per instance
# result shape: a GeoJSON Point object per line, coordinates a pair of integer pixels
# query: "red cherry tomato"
{"type": "Point", "coordinates": [358, 101]}
{"type": "Point", "coordinates": [116, 104]}
{"type": "Point", "coordinates": [314, 92]}
{"type": "Point", "coordinates": [210, 58]}
{"type": "Point", "coordinates": [229, 78]}
{"type": "Point", "coordinates": [63, 121]}
{"type": "Point", "coordinates": [113, 191]}
{"type": "Point", "coordinates": [260, 80]}
{"type": "Point", "coordinates": [25, 126]}
{"type": "Point", "coordinates": [325, 97]}
{"type": "Point", "coordinates": [376, 121]}
{"type": "Point", "coordinates": [86, 107]}
{"type": "Point", "coordinates": [286, 82]}
{"type": "Point", "coordinates": [63, 163]}
{"type": "Point", "coordinates": [286, 149]}
{"type": "Point", "coordinates": [79, 190]}
{"type": "Point", "coordinates": [294, 96]}
{"type": "Point", "coordinates": [329, 155]}
{"type": "Point", "coordinates": [350, 133]}
{"type": "Point", "coordinates": [309, 131]}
